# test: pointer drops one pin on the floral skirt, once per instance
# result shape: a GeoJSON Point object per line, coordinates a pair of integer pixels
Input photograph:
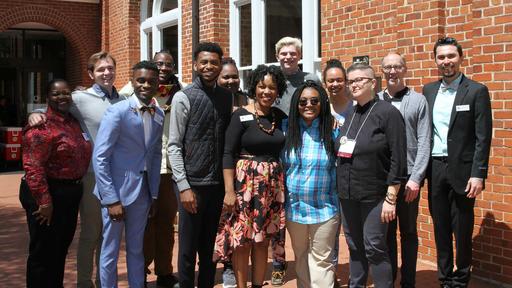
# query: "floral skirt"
{"type": "Point", "coordinates": [259, 210]}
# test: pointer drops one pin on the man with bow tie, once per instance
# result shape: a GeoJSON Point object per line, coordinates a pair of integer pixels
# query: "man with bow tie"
{"type": "Point", "coordinates": [461, 139]}
{"type": "Point", "coordinates": [126, 160]}
{"type": "Point", "coordinates": [159, 233]}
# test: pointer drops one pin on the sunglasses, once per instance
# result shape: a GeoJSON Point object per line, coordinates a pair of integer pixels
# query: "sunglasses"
{"type": "Point", "coordinates": [312, 101]}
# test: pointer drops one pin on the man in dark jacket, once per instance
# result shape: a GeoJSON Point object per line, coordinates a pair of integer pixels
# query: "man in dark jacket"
{"type": "Point", "coordinates": [461, 139]}
{"type": "Point", "coordinates": [200, 114]}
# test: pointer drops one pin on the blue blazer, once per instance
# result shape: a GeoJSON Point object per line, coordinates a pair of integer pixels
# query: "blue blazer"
{"type": "Point", "coordinates": [120, 154]}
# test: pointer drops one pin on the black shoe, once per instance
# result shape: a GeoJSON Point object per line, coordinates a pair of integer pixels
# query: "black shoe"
{"type": "Point", "coordinates": [167, 281]}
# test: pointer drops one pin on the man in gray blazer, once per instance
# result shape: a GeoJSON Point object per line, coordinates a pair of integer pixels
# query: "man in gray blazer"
{"type": "Point", "coordinates": [414, 109]}
{"type": "Point", "coordinates": [461, 140]}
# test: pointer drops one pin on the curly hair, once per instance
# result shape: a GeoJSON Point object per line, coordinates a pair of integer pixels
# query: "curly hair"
{"type": "Point", "coordinates": [260, 72]}
{"type": "Point", "coordinates": [294, 136]}
{"type": "Point", "coordinates": [333, 63]}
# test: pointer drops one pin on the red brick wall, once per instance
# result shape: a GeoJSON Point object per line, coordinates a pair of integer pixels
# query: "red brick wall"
{"type": "Point", "coordinates": [213, 27]}
{"type": "Point", "coordinates": [80, 29]}
{"type": "Point", "coordinates": [186, 41]}
{"type": "Point", "coordinates": [121, 35]}
{"type": "Point", "coordinates": [484, 28]}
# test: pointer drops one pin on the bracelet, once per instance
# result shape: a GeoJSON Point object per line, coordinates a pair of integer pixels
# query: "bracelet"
{"type": "Point", "coordinates": [390, 202]}
{"type": "Point", "coordinates": [392, 197]}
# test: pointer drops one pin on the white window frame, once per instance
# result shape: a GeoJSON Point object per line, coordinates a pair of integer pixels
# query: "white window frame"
{"type": "Point", "coordinates": [311, 60]}
{"type": "Point", "coordinates": [155, 24]}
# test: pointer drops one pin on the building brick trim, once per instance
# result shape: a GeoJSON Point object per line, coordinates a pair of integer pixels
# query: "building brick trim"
{"type": "Point", "coordinates": [56, 19]}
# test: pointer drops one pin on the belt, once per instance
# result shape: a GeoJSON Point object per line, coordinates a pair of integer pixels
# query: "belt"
{"type": "Point", "coordinates": [259, 158]}
{"type": "Point", "coordinates": [65, 181]}
{"type": "Point", "coordinates": [441, 158]}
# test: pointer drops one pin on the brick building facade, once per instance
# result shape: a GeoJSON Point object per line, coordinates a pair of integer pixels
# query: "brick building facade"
{"type": "Point", "coordinates": [342, 29]}
{"type": "Point", "coordinates": [82, 30]}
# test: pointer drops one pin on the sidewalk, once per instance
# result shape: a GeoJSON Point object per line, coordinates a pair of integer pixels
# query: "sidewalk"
{"type": "Point", "coordinates": [14, 246]}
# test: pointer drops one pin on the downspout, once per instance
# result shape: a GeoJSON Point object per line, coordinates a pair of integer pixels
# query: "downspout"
{"type": "Point", "coordinates": [195, 29]}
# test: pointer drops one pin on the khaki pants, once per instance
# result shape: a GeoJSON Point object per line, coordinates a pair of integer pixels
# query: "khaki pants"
{"type": "Point", "coordinates": [159, 233]}
{"type": "Point", "coordinates": [90, 234]}
{"type": "Point", "coordinates": [313, 245]}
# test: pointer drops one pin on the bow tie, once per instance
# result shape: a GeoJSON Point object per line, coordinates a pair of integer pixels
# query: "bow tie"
{"type": "Point", "coordinates": [150, 109]}
{"type": "Point", "coordinates": [446, 87]}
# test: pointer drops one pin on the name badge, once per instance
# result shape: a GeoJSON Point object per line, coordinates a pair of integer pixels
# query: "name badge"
{"type": "Point", "coordinates": [462, 108]}
{"type": "Point", "coordinates": [346, 147]}
{"type": "Point", "coordinates": [159, 119]}
{"type": "Point", "coordinates": [245, 118]}
{"type": "Point", "coordinates": [86, 137]}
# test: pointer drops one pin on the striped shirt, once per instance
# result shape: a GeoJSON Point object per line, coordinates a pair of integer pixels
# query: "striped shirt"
{"type": "Point", "coordinates": [311, 196]}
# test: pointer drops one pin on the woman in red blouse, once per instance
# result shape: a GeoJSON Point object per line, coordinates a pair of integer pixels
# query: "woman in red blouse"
{"type": "Point", "coordinates": [55, 157]}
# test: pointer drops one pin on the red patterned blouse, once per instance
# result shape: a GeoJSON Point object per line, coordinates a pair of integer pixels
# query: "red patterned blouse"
{"type": "Point", "coordinates": [57, 149]}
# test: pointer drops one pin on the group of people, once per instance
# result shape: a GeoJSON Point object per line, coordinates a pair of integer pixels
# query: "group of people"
{"type": "Point", "coordinates": [298, 154]}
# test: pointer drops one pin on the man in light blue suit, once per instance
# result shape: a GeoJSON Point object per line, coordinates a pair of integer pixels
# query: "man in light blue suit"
{"type": "Point", "coordinates": [126, 160]}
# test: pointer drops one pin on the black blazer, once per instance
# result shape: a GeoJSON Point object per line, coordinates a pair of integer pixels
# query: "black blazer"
{"type": "Point", "coordinates": [469, 132]}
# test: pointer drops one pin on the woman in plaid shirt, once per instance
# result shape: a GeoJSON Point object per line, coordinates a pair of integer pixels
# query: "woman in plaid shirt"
{"type": "Point", "coordinates": [312, 208]}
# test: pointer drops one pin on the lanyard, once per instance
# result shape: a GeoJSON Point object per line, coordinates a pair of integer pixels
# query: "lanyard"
{"type": "Point", "coordinates": [360, 127]}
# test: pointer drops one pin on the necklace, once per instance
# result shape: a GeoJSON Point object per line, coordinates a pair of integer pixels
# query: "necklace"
{"type": "Point", "coordinates": [266, 130]}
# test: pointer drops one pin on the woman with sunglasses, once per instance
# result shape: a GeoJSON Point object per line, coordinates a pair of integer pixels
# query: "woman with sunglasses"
{"type": "Point", "coordinates": [312, 208]}
{"type": "Point", "coordinates": [253, 179]}
{"type": "Point", "coordinates": [371, 165]}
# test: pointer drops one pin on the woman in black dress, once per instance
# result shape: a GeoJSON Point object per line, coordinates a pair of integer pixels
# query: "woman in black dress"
{"type": "Point", "coordinates": [253, 176]}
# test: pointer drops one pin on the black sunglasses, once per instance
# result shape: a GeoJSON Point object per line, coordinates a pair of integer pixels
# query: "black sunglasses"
{"type": "Point", "coordinates": [312, 101]}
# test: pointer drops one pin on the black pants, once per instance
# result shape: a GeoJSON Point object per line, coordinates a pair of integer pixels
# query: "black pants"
{"type": "Point", "coordinates": [49, 244]}
{"type": "Point", "coordinates": [365, 234]}
{"type": "Point", "coordinates": [197, 236]}
{"type": "Point", "coordinates": [407, 215]}
{"type": "Point", "coordinates": [452, 214]}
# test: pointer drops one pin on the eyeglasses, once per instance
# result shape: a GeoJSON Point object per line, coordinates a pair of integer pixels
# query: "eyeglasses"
{"type": "Point", "coordinates": [388, 68]}
{"type": "Point", "coordinates": [358, 81]}
{"type": "Point", "coordinates": [168, 64]}
{"type": "Point", "coordinates": [313, 101]}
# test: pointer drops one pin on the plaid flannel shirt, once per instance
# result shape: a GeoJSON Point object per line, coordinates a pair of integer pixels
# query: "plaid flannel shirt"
{"type": "Point", "coordinates": [311, 196]}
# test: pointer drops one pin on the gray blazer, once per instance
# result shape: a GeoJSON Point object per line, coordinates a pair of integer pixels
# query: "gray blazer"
{"type": "Point", "coordinates": [414, 109]}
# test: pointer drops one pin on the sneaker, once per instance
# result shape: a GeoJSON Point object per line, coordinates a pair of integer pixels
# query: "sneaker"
{"type": "Point", "coordinates": [278, 277]}
{"type": "Point", "coordinates": [167, 281]}
{"type": "Point", "coordinates": [228, 278]}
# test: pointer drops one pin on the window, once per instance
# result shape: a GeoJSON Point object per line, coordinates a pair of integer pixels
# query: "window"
{"type": "Point", "coordinates": [170, 42]}
{"type": "Point", "coordinates": [168, 5]}
{"type": "Point", "coordinates": [160, 29]}
{"type": "Point", "coordinates": [149, 44]}
{"type": "Point", "coordinates": [282, 18]}
{"type": "Point", "coordinates": [245, 35]}
{"type": "Point", "coordinates": [149, 10]}
{"type": "Point", "coordinates": [256, 25]}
